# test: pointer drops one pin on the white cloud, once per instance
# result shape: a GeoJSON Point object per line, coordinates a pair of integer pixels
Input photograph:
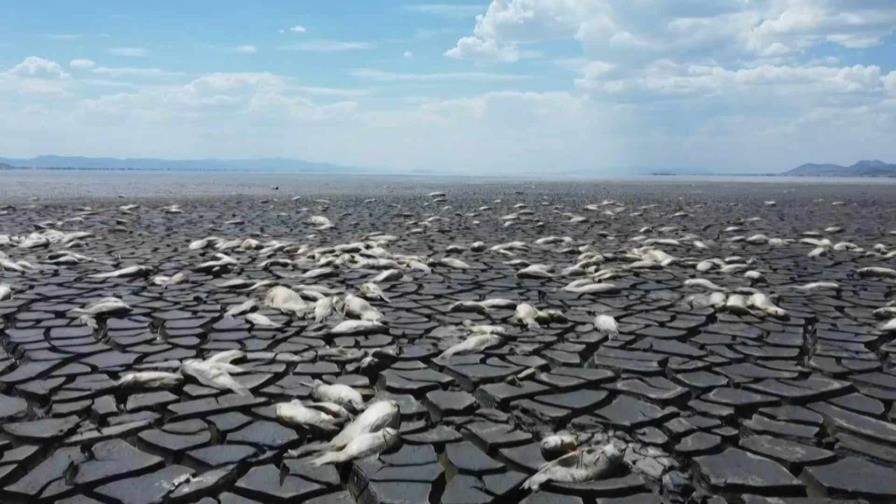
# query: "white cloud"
{"type": "Point", "coordinates": [129, 52]}
{"type": "Point", "coordinates": [670, 78]}
{"type": "Point", "coordinates": [762, 28]}
{"type": "Point", "coordinates": [142, 72]}
{"type": "Point", "coordinates": [478, 48]}
{"type": "Point", "coordinates": [890, 82]}
{"type": "Point", "coordinates": [245, 49]}
{"type": "Point", "coordinates": [81, 64]}
{"type": "Point", "coordinates": [407, 54]}
{"type": "Point", "coordinates": [35, 76]}
{"type": "Point", "coordinates": [327, 46]}
{"type": "Point", "coordinates": [298, 29]}
{"type": "Point", "coordinates": [38, 68]}
{"type": "Point", "coordinates": [384, 76]}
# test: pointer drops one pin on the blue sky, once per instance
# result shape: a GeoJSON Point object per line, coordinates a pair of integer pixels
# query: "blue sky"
{"type": "Point", "coordinates": [508, 86]}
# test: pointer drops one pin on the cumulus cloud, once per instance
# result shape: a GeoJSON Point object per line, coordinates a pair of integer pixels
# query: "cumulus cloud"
{"type": "Point", "coordinates": [38, 68]}
{"type": "Point", "coordinates": [298, 29]}
{"type": "Point", "coordinates": [764, 28]}
{"type": "Point", "coordinates": [35, 76]}
{"type": "Point", "coordinates": [890, 82]}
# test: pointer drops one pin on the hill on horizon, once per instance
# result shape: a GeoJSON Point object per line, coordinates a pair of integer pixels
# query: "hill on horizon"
{"type": "Point", "coordinates": [866, 168]}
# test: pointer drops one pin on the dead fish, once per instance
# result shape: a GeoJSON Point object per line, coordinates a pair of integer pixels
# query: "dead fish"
{"type": "Point", "coordinates": [389, 275]}
{"type": "Point", "coordinates": [475, 343]}
{"type": "Point", "coordinates": [165, 281]}
{"type": "Point", "coordinates": [129, 272]}
{"type": "Point", "coordinates": [203, 242]}
{"type": "Point", "coordinates": [532, 317]}
{"type": "Point", "coordinates": [535, 271]}
{"type": "Point", "coordinates": [364, 445]}
{"type": "Point", "coordinates": [223, 262]}
{"type": "Point", "coordinates": [286, 300]}
{"type": "Point", "coordinates": [260, 320]}
{"type": "Point", "coordinates": [318, 273]}
{"type": "Point", "coordinates": [336, 411]}
{"type": "Point", "coordinates": [525, 314]}
{"type": "Point", "coordinates": [764, 304]}
{"type": "Point", "coordinates": [241, 308]}
{"type": "Point", "coordinates": [584, 464]}
{"type": "Point", "coordinates": [885, 312]}
{"type": "Point", "coordinates": [7, 264]}
{"type": "Point", "coordinates": [337, 393]}
{"type": "Point", "coordinates": [357, 327]}
{"type": "Point", "coordinates": [877, 272]}
{"type": "Point", "coordinates": [102, 307]}
{"type": "Point", "coordinates": [150, 380]}
{"type": "Point", "coordinates": [468, 306]}
{"type": "Point", "coordinates": [716, 300]}
{"type": "Point", "coordinates": [377, 416]}
{"type": "Point", "coordinates": [483, 306]}
{"type": "Point", "coordinates": [557, 445]}
{"type": "Point", "coordinates": [323, 308]}
{"type": "Point", "coordinates": [705, 265]}
{"type": "Point", "coordinates": [296, 414]}
{"type": "Point", "coordinates": [354, 306]}
{"type": "Point", "coordinates": [754, 276]}
{"type": "Point", "coordinates": [484, 328]}
{"type": "Point", "coordinates": [320, 222]}
{"type": "Point", "coordinates": [5, 292]}
{"type": "Point", "coordinates": [370, 290]}
{"type": "Point", "coordinates": [453, 262]}
{"type": "Point", "coordinates": [215, 371]}
{"type": "Point", "coordinates": [234, 283]}
{"type": "Point", "coordinates": [590, 287]}
{"type": "Point", "coordinates": [889, 326]}
{"type": "Point", "coordinates": [814, 286]}
{"type": "Point", "coordinates": [737, 303]}
{"type": "Point", "coordinates": [606, 324]}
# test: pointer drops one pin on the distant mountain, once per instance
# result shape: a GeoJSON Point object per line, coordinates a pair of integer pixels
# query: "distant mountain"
{"type": "Point", "coordinates": [874, 168]}
{"type": "Point", "coordinates": [264, 164]}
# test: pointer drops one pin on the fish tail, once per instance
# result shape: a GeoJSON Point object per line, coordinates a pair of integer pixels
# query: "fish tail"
{"type": "Point", "coordinates": [89, 321]}
{"type": "Point", "coordinates": [327, 458]}
{"type": "Point", "coordinates": [532, 483]}
{"type": "Point", "coordinates": [240, 389]}
{"type": "Point", "coordinates": [308, 448]}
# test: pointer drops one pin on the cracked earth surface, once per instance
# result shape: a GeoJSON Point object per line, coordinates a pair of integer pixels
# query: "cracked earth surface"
{"type": "Point", "coordinates": [712, 399]}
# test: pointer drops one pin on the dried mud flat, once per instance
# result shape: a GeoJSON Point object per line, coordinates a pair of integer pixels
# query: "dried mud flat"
{"type": "Point", "coordinates": [715, 392]}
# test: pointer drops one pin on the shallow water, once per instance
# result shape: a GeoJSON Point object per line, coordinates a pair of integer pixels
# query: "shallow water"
{"type": "Point", "coordinates": [19, 185]}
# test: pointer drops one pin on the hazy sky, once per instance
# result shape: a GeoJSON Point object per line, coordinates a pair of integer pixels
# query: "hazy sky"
{"type": "Point", "coordinates": [512, 85]}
